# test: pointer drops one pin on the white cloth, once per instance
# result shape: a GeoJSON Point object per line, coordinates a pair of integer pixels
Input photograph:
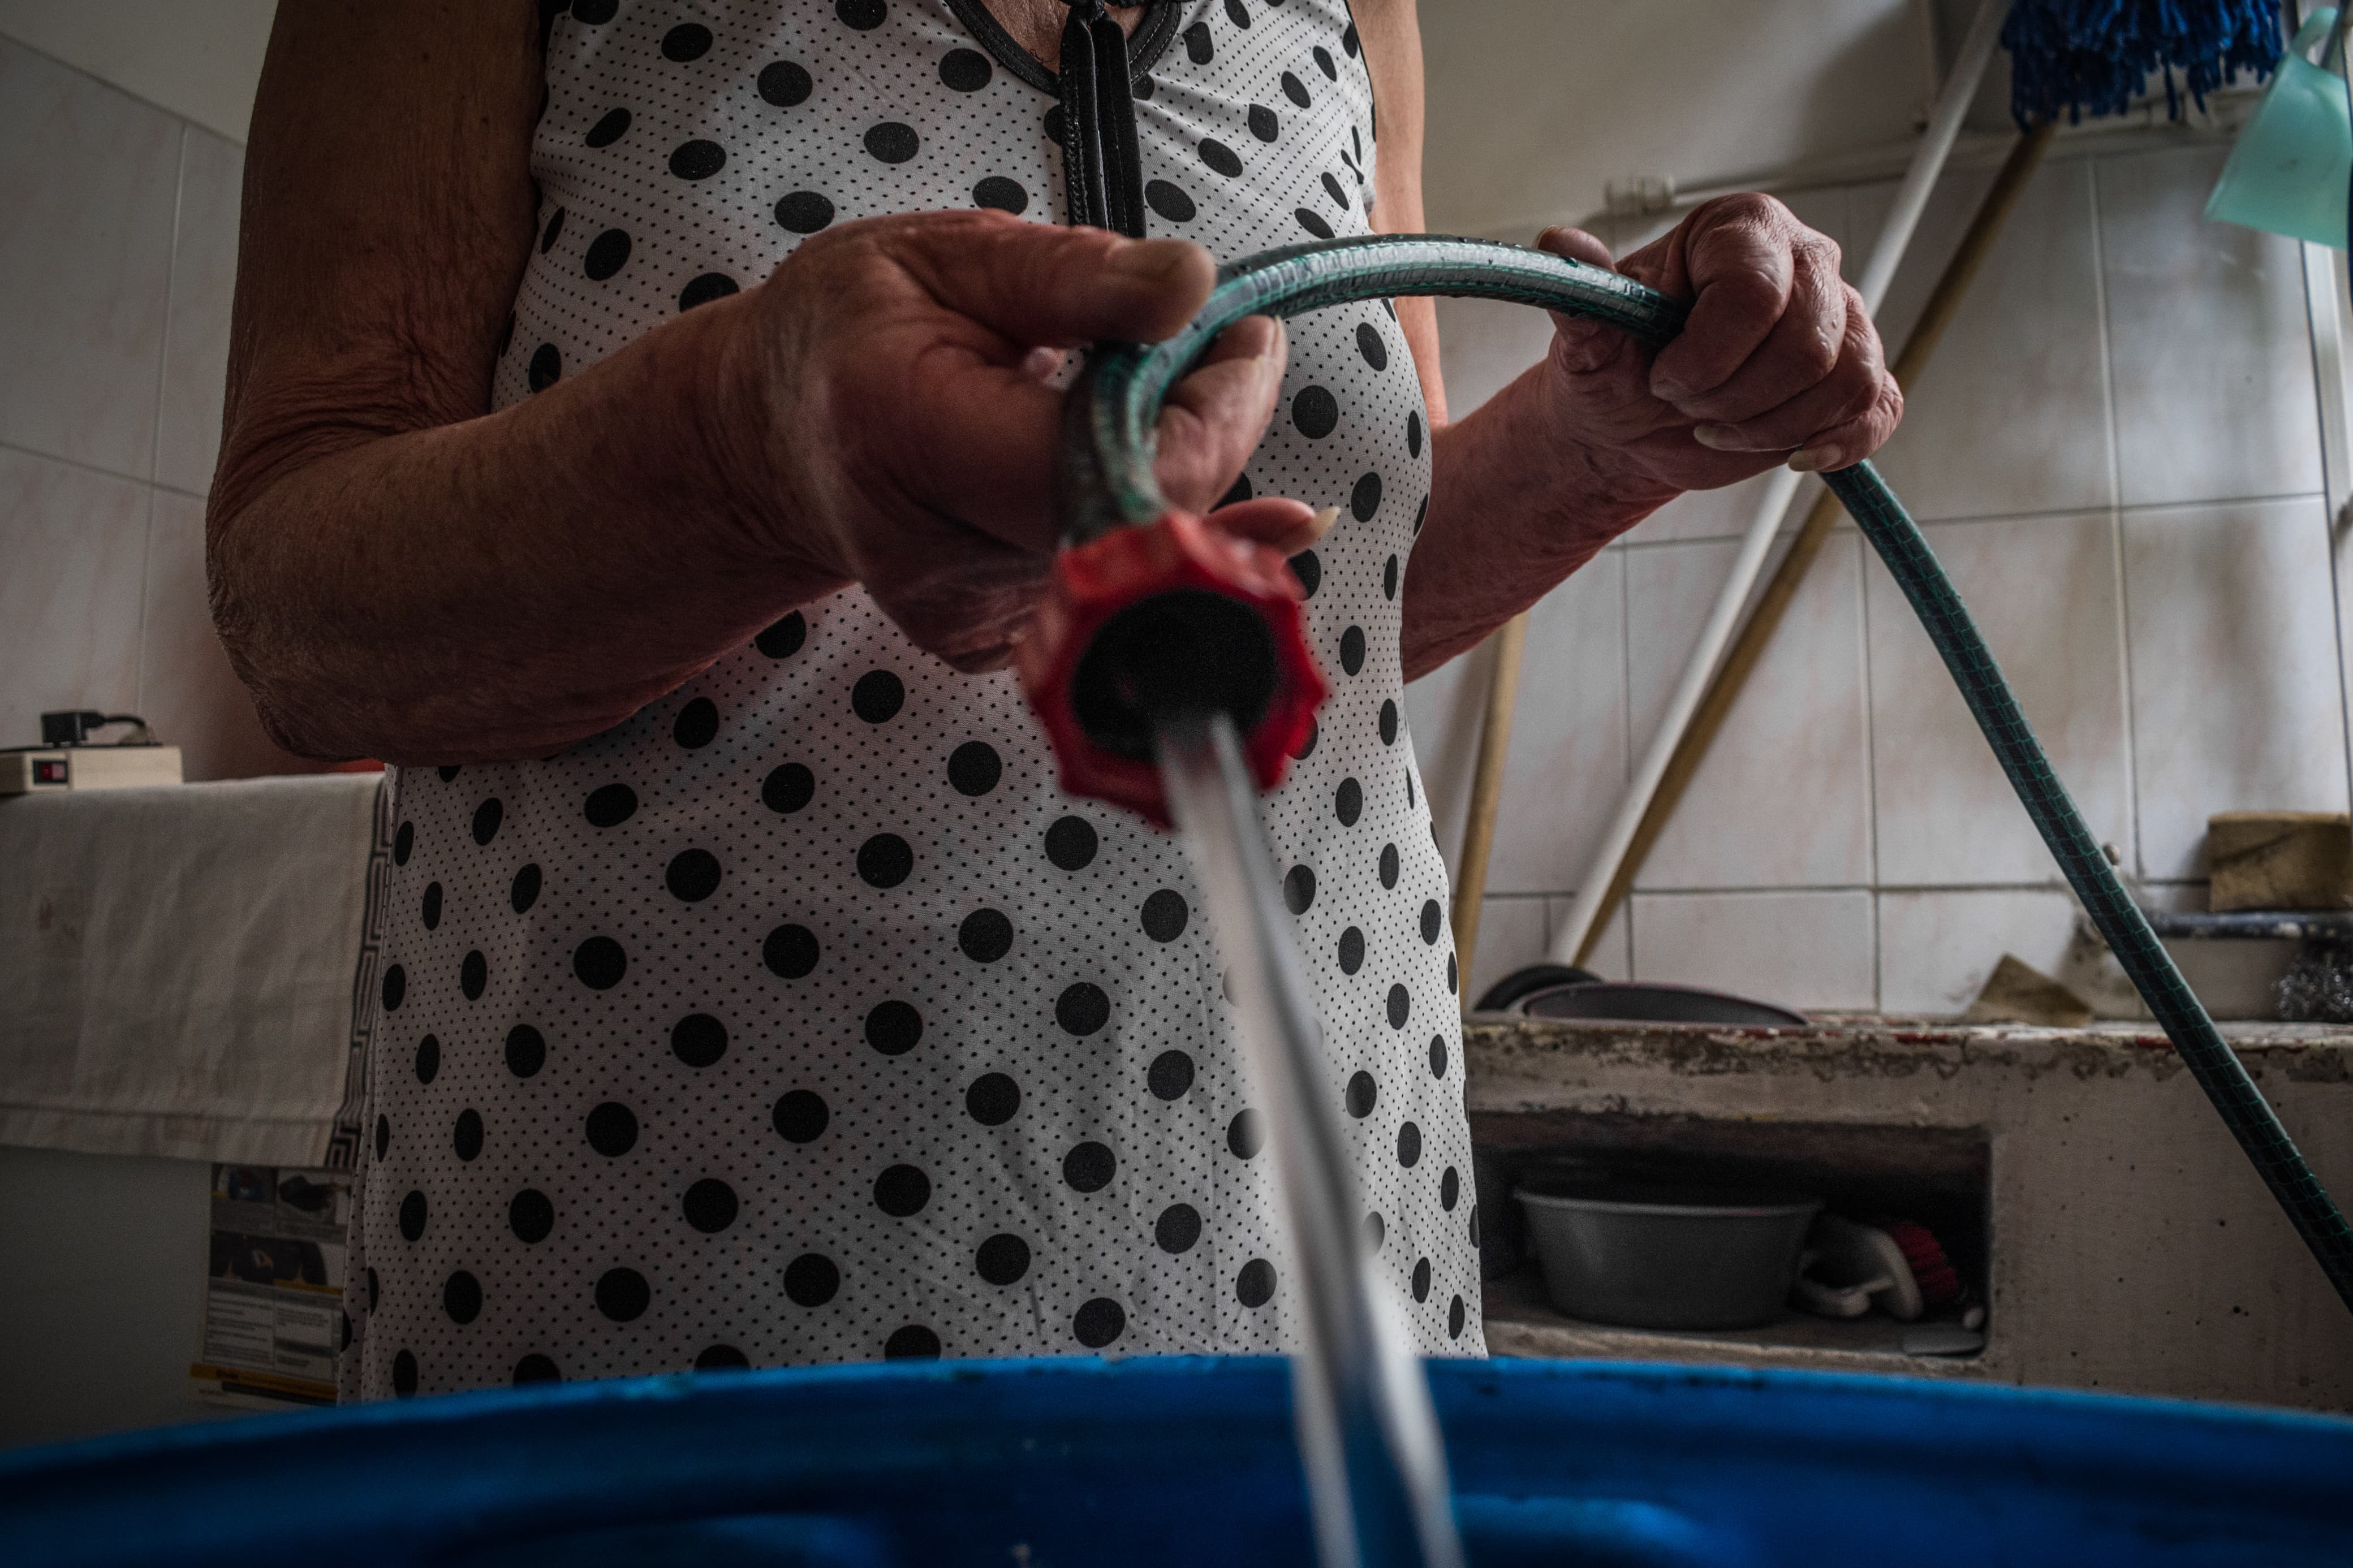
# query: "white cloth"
{"type": "Point", "coordinates": [177, 966]}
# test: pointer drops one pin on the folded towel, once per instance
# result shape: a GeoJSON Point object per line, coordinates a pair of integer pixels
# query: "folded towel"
{"type": "Point", "coordinates": [188, 971]}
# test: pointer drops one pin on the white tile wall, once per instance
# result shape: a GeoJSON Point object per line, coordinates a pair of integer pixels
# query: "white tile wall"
{"type": "Point", "coordinates": [87, 183]}
{"type": "Point", "coordinates": [1936, 949]}
{"type": "Point", "coordinates": [196, 346]}
{"type": "Point", "coordinates": [185, 688]}
{"type": "Point", "coordinates": [1799, 949]}
{"type": "Point", "coordinates": [75, 544]}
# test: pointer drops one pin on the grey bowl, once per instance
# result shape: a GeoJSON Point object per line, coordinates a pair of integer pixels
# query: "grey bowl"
{"type": "Point", "coordinates": [1668, 1257]}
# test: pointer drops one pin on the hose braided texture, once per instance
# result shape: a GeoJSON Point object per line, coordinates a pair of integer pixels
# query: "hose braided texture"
{"type": "Point", "coordinates": [1107, 482]}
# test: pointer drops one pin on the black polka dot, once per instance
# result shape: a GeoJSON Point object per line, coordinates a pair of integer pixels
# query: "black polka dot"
{"type": "Point", "coordinates": [1408, 1143]}
{"type": "Point", "coordinates": [1421, 1279]}
{"type": "Point", "coordinates": [811, 1279]}
{"type": "Point", "coordinates": [891, 141]}
{"type": "Point", "coordinates": [1315, 411]}
{"type": "Point", "coordinates": [789, 951]}
{"type": "Point", "coordinates": [1456, 1316]}
{"type": "Point", "coordinates": [697, 160]}
{"type": "Point", "coordinates": [383, 1135]}
{"type": "Point", "coordinates": [1449, 1190]}
{"type": "Point", "coordinates": [1295, 90]}
{"type": "Point", "coordinates": [1361, 1094]}
{"type": "Point", "coordinates": [985, 935]}
{"type": "Point", "coordinates": [608, 254]}
{"type": "Point", "coordinates": [1400, 1005]}
{"type": "Point", "coordinates": [1437, 1055]}
{"type": "Point", "coordinates": [1254, 1286]}
{"type": "Point", "coordinates": [787, 788]}
{"type": "Point", "coordinates": [487, 817]}
{"type": "Point", "coordinates": [1179, 1227]}
{"type": "Point", "coordinates": [1165, 914]}
{"type": "Point", "coordinates": [473, 975]}
{"type": "Point", "coordinates": [1388, 722]}
{"type": "Point", "coordinates": [1298, 890]}
{"type": "Point", "coordinates": [992, 1099]}
{"type": "Point", "coordinates": [1170, 1075]}
{"type": "Point", "coordinates": [1246, 1135]}
{"type": "Point", "coordinates": [1388, 591]}
{"type": "Point", "coordinates": [1309, 569]}
{"type": "Point", "coordinates": [804, 212]}
{"type": "Point", "coordinates": [863, 15]}
{"type": "Point", "coordinates": [1082, 1009]}
{"type": "Point", "coordinates": [466, 1137]}
{"type": "Point", "coordinates": [901, 1191]}
{"type": "Point", "coordinates": [1413, 433]}
{"type": "Point", "coordinates": [403, 843]}
{"type": "Point", "coordinates": [404, 1373]}
{"type": "Point", "coordinates": [1432, 920]}
{"type": "Point", "coordinates": [893, 1028]}
{"type": "Point", "coordinates": [1004, 194]}
{"type": "Point", "coordinates": [966, 70]}
{"type": "Point", "coordinates": [702, 289]}
{"type": "Point", "coordinates": [428, 1059]}
{"type": "Point", "coordinates": [1348, 802]}
{"type": "Point", "coordinates": [1347, 38]}
{"type": "Point", "coordinates": [1420, 515]}
{"type": "Point", "coordinates": [1312, 222]}
{"type": "Point", "coordinates": [609, 130]}
{"type": "Point", "coordinates": [877, 696]}
{"type": "Point", "coordinates": [1389, 866]}
{"type": "Point", "coordinates": [395, 986]}
{"type": "Point", "coordinates": [1333, 188]}
{"type": "Point", "coordinates": [1054, 124]}
{"type": "Point", "coordinates": [371, 1289]}
{"type": "Point", "coordinates": [1351, 650]}
{"type": "Point", "coordinates": [599, 962]}
{"type": "Point", "coordinates": [1070, 842]}
{"type": "Point", "coordinates": [1352, 951]}
{"type": "Point", "coordinates": [612, 1130]}
{"type": "Point", "coordinates": [547, 368]}
{"type": "Point", "coordinates": [1307, 745]}
{"type": "Point", "coordinates": [547, 236]}
{"type": "Point", "coordinates": [721, 1358]}
{"type": "Point", "coordinates": [623, 1295]}
{"type": "Point", "coordinates": [692, 875]}
{"type": "Point", "coordinates": [1169, 201]}
{"type": "Point", "coordinates": [1262, 123]}
{"type": "Point", "coordinates": [526, 1050]}
{"type": "Point", "coordinates": [709, 1206]}
{"type": "Point", "coordinates": [1234, 12]}
{"type": "Point", "coordinates": [412, 1214]}
{"type": "Point", "coordinates": [885, 860]}
{"type": "Point", "coordinates": [1089, 1167]}
{"type": "Point", "coordinates": [610, 806]}
{"type": "Point", "coordinates": [1323, 63]}
{"type": "Point", "coordinates": [1474, 1228]}
{"type": "Point", "coordinates": [431, 911]}
{"type": "Point", "coordinates": [1101, 1321]}
{"type": "Point", "coordinates": [687, 41]}
{"type": "Point", "coordinates": [524, 891]}
{"type": "Point", "coordinates": [1002, 1259]}
{"type": "Point", "coordinates": [696, 725]}
{"type": "Point", "coordinates": [1239, 491]}
{"type": "Point", "coordinates": [1365, 499]}
{"type": "Point", "coordinates": [461, 1297]}
{"type": "Point", "coordinates": [785, 85]}
{"type": "Point", "coordinates": [1196, 44]}
{"type": "Point", "coordinates": [698, 1039]}
{"type": "Point", "coordinates": [974, 768]}
{"type": "Point", "coordinates": [914, 1343]}
{"type": "Point", "coordinates": [800, 1117]}
{"type": "Point", "coordinates": [1220, 158]}
{"type": "Point", "coordinates": [784, 637]}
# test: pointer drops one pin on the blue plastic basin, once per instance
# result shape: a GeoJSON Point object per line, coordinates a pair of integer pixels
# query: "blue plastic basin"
{"type": "Point", "coordinates": [1065, 1462]}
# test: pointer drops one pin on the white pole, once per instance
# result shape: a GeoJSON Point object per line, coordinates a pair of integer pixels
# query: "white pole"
{"type": "Point", "coordinates": [1886, 254]}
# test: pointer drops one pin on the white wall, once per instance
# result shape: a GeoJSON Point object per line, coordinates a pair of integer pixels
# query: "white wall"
{"type": "Point", "coordinates": [198, 59]}
{"type": "Point", "coordinates": [2117, 453]}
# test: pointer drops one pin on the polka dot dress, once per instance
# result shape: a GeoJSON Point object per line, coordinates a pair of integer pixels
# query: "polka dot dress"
{"type": "Point", "coordinates": [799, 1019]}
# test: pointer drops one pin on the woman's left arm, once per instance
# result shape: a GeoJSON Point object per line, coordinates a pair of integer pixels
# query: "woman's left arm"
{"type": "Point", "coordinates": [1778, 362]}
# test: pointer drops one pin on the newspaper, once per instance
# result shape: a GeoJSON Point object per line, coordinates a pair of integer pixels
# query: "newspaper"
{"type": "Point", "coordinates": [273, 1292]}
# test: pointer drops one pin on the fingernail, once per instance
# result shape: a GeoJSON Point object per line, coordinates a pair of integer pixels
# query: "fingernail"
{"type": "Point", "coordinates": [1324, 520]}
{"type": "Point", "coordinates": [1669, 391]}
{"type": "Point", "coordinates": [1148, 261]}
{"type": "Point", "coordinates": [1811, 459]}
{"type": "Point", "coordinates": [1720, 437]}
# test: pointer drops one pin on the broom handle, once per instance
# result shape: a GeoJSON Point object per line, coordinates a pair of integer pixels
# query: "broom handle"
{"type": "Point", "coordinates": [1774, 603]}
{"type": "Point", "coordinates": [1486, 793]}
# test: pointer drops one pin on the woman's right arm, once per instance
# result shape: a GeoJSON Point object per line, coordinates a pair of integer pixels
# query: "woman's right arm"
{"type": "Point", "coordinates": [399, 573]}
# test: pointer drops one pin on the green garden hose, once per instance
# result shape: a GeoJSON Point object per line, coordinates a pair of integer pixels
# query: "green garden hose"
{"type": "Point", "coordinates": [1107, 483]}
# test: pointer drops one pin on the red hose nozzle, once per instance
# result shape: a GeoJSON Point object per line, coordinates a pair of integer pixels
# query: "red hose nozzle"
{"type": "Point", "coordinates": [1151, 622]}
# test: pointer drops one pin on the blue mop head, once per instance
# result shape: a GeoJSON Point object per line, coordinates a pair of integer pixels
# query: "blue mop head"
{"type": "Point", "coordinates": [2094, 55]}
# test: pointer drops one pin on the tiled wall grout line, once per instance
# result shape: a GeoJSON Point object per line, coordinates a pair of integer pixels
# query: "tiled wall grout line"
{"type": "Point", "coordinates": [2116, 510]}
{"type": "Point", "coordinates": [155, 434]}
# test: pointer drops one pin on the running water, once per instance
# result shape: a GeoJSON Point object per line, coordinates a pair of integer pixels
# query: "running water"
{"type": "Point", "coordinates": [1367, 1436]}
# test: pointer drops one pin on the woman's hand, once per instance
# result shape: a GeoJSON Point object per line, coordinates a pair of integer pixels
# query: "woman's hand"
{"type": "Point", "coordinates": [1779, 361]}
{"type": "Point", "coordinates": [890, 419]}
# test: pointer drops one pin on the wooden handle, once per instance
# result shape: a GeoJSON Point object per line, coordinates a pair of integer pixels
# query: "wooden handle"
{"type": "Point", "coordinates": [1486, 793]}
{"type": "Point", "coordinates": [1740, 660]}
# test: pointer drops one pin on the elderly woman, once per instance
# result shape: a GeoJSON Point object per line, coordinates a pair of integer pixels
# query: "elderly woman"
{"type": "Point", "coordinates": [641, 430]}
